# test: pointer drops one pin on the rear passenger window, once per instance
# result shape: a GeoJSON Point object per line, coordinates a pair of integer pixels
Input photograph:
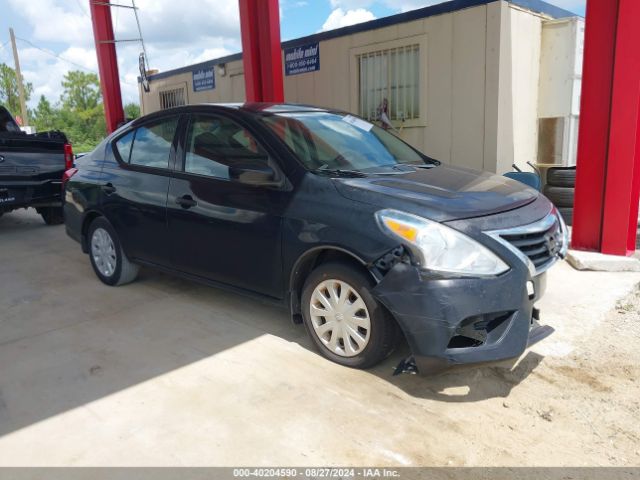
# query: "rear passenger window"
{"type": "Point", "coordinates": [149, 145]}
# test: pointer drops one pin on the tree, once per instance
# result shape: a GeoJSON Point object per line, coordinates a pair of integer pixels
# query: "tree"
{"type": "Point", "coordinates": [131, 111]}
{"type": "Point", "coordinates": [9, 94]}
{"type": "Point", "coordinates": [80, 91]}
{"type": "Point", "coordinates": [44, 117]}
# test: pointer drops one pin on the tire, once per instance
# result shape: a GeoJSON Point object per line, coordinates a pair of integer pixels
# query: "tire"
{"type": "Point", "coordinates": [381, 334]}
{"type": "Point", "coordinates": [561, 197]}
{"type": "Point", "coordinates": [561, 177]}
{"type": "Point", "coordinates": [567, 215]}
{"type": "Point", "coordinates": [104, 244]}
{"type": "Point", "coordinates": [51, 215]}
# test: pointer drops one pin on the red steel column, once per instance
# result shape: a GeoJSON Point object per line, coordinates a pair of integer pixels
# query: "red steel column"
{"type": "Point", "coordinates": [620, 220]}
{"type": "Point", "coordinates": [107, 63]}
{"type": "Point", "coordinates": [608, 175]}
{"type": "Point", "coordinates": [261, 50]}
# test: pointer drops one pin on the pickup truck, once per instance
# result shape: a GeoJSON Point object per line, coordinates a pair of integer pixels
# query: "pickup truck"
{"type": "Point", "coordinates": [31, 169]}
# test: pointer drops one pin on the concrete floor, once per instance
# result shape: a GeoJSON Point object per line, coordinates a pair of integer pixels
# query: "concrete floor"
{"type": "Point", "coordinates": [168, 372]}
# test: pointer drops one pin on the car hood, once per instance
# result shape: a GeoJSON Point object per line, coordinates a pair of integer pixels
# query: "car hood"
{"type": "Point", "coordinates": [441, 193]}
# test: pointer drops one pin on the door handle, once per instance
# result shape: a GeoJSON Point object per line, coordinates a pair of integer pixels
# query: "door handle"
{"type": "Point", "coordinates": [109, 188]}
{"type": "Point", "coordinates": [186, 201]}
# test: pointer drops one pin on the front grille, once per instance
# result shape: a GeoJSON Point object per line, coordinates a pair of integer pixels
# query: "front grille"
{"type": "Point", "coordinates": [539, 244]}
{"type": "Point", "coordinates": [542, 246]}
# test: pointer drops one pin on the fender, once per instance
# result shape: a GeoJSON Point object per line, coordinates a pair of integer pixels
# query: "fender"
{"type": "Point", "coordinates": [305, 263]}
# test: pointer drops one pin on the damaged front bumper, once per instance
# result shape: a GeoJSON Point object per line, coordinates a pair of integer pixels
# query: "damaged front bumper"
{"type": "Point", "coordinates": [450, 320]}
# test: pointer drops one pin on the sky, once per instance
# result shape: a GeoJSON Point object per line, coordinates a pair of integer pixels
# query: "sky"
{"type": "Point", "coordinates": [55, 36]}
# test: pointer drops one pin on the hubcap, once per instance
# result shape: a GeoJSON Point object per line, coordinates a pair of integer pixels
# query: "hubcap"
{"type": "Point", "coordinates": [103, 251]}
{"type": "Point", "coordinates": [340, 318]}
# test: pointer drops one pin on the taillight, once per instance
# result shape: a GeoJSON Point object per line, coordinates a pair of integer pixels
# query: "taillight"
{"type": "Point", "coordinates": [67, 175]}
{"type": "Point", "coordinates": [68, 156]}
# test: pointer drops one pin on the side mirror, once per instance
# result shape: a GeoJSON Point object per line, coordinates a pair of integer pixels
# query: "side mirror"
{"type": "Point", "coordinates": [253, 172]}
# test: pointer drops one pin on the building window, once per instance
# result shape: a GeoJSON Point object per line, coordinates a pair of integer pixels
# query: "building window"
{"type": "Point", "coordinates": [392, 74]}
{"type": "Point", "coordinates": [172, 98]}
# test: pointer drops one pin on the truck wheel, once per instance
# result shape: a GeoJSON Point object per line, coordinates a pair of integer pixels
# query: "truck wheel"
{"type": "Point", "coordinates": [345, 322]}
{"type": "Point", "coordinates": [51, 215]}
{"type": "Point", "coordinates": [108, 260]}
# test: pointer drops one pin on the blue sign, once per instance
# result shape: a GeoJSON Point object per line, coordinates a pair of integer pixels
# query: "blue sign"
{"type": "Point", "coordinates": [302, 59]}
{"type": "Point", "coordinates": [203, 79]}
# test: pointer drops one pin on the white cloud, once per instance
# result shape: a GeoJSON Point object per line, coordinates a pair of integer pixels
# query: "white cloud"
{"type": "Point", "coordinates": [46, 72]}
{"type": "Point", "coordinates": [339, 18]}
{"type": "Point", "coordinates": [176, 34]}
{"type": "Point", "coordinates": [351, 4]}
{"type": "Point", "coordinates": [54, 21]}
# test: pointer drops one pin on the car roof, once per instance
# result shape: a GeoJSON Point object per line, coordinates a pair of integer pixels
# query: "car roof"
{"type": "Point", "coordinates": [256, 108]}
{"type": "Point", "coordinates": [269, 107]}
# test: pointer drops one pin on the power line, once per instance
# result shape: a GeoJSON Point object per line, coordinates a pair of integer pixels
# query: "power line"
{"type": "Point", "coordinates": [144, 50]}
{"type": "Point", "coordinates": [4, 52]}
{"type": "Point", "coordinates": [49, 52]}
{"type": "Point", "coordinates": [82, 8]}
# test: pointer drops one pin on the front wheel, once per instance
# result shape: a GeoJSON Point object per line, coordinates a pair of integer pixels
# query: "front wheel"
{"type": "Point", "coordinates": [108, 260]}
{"type": "Point", "coordinates": [345, 322]}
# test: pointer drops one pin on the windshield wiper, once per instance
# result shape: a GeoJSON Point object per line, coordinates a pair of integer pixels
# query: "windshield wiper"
{"type": "Point", "coordinates": [340, 172]}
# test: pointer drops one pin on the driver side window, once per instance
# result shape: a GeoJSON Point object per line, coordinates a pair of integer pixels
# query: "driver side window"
{"type": "Point", "coordinates": [214, 144]}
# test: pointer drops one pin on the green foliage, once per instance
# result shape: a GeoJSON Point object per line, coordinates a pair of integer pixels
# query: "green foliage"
{"type": "Point", "coordinates": [131, 111]}
{"type": "Point", "coordinates": [44, 116]}
{"type": "Point", "coordinates": [81, 91]}
{"type": "Point", "coordinates": [79, 113]}
{"type": "Point", "coordinates": [9, 95]}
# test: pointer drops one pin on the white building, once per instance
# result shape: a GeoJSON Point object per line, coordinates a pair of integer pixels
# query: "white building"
{"type": "Point", "coordinates": [476, 83]}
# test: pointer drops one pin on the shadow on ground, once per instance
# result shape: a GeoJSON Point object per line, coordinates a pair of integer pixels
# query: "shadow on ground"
{"type": "Point", "coordinates": [67, 340]}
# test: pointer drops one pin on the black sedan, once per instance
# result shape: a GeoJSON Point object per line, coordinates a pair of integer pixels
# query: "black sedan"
{"type": "Point", "coordinates": [362, 237]}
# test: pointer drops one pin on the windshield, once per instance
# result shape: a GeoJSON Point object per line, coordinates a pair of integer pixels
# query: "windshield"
{"type": "Point", "coordinates": [331, 141]}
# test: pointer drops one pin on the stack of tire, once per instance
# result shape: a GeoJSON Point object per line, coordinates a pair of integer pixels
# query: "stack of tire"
{"type": "Point", "coordinates": [560, 189]}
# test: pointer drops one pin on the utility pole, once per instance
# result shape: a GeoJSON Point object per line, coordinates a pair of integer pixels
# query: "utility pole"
{"type": "Point", "coordinates": [23, 104]}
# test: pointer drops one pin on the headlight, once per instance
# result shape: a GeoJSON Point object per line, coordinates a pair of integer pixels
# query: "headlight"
{"type": "Point", "coordinates": [437, 247]}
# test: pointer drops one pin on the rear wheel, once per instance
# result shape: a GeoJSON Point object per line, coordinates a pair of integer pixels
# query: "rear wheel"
{"type": "Point", "coordinates": [345, 322]}
{"type": "Point", "coordinates": [51, 215]}
{"type": "Point", "coordinates": [108, 260]}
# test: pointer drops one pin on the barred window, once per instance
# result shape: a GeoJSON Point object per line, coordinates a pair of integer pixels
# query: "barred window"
{"type": "Point", "coordinates": [392, 74]}
{"type": "Point", "coordinates": [172, 98]}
